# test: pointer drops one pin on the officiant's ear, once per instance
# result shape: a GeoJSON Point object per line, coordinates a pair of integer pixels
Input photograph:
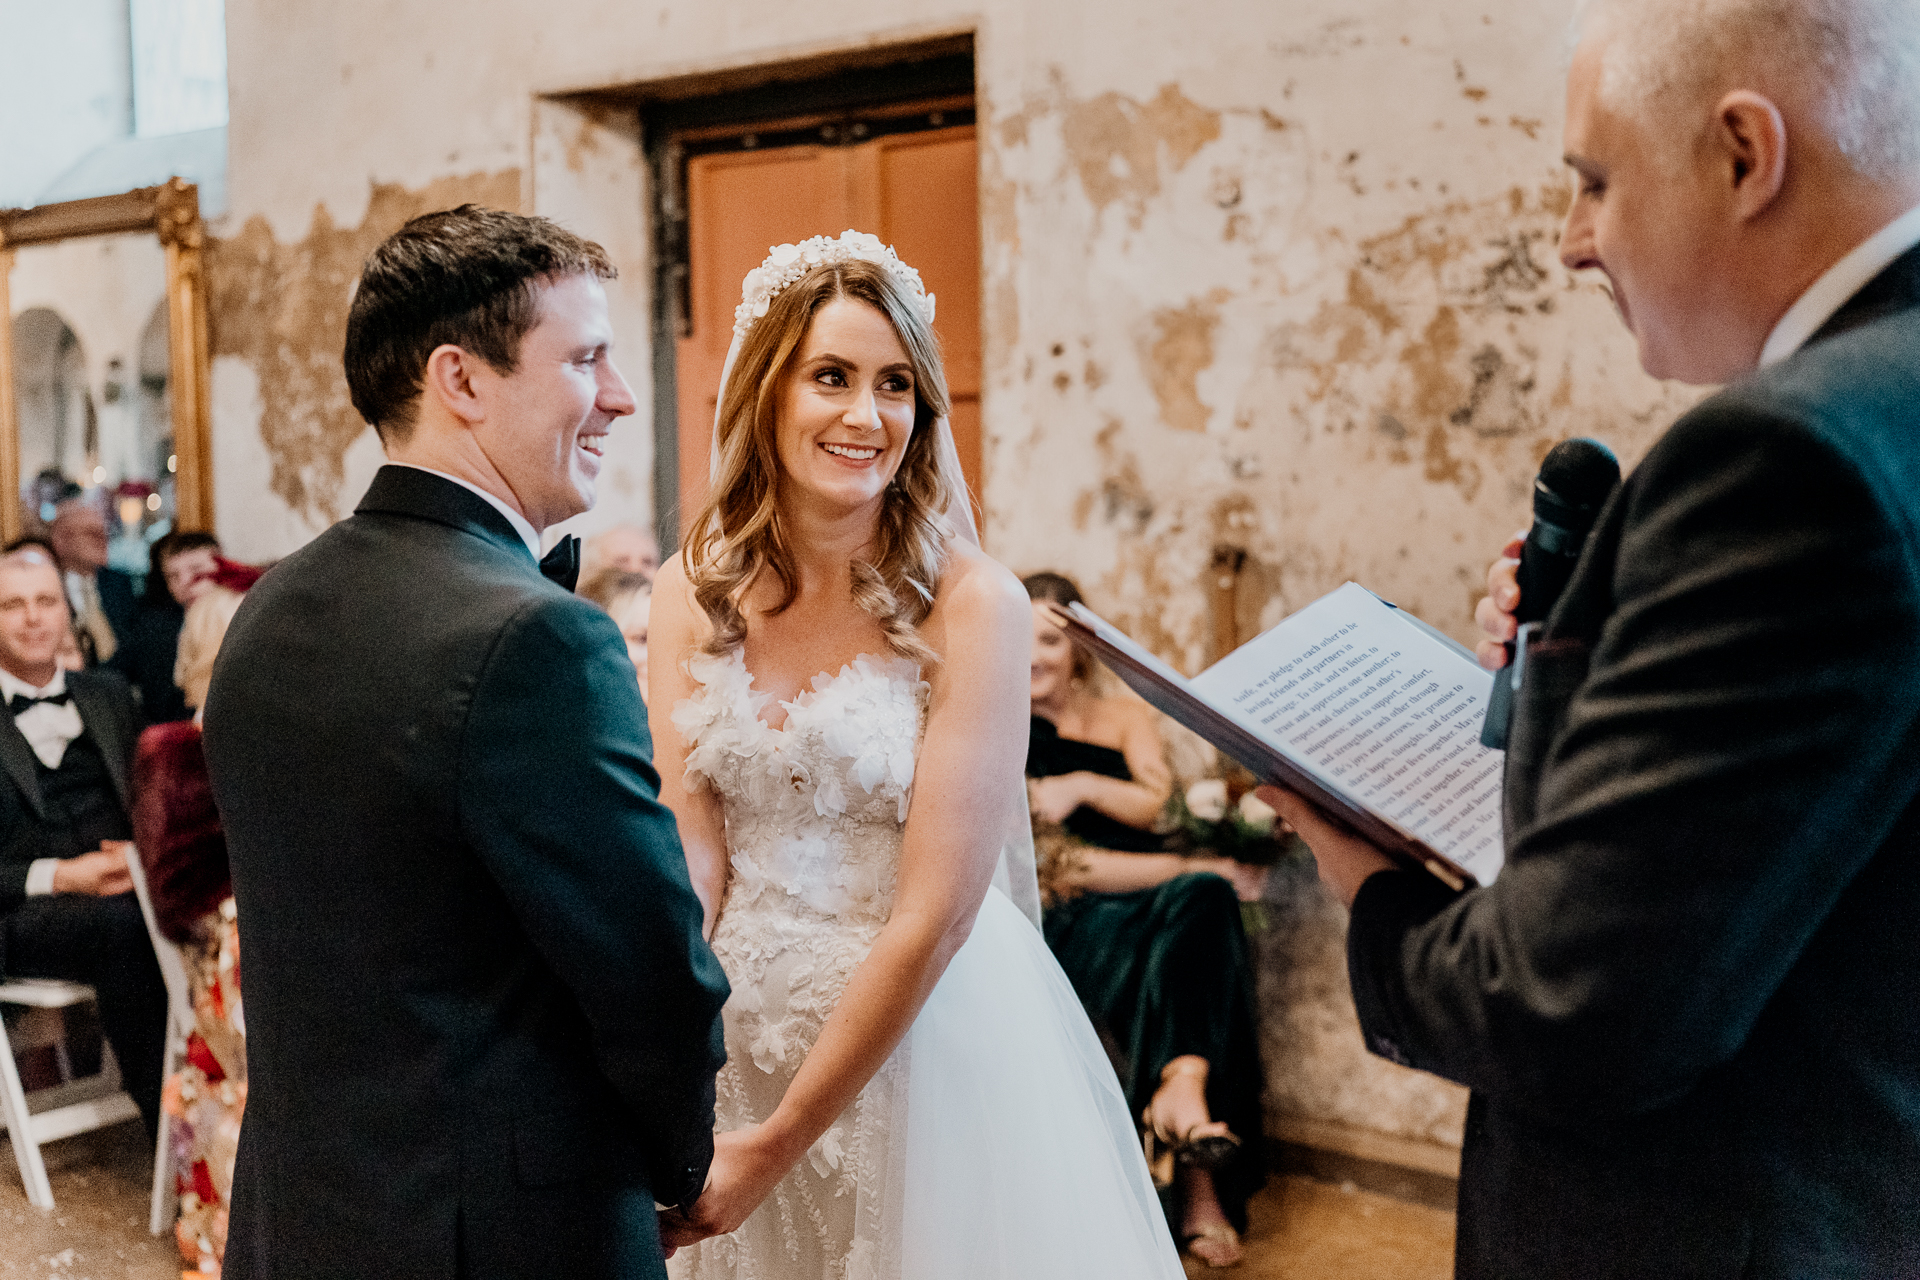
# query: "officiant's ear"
{"type": "Point", "coordinates": [449, 381]}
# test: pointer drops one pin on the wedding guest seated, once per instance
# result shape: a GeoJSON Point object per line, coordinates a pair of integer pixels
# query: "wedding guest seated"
{"type": "Point", "coordinates": [1152, 941]}
{"type": "Point", "coordinates": [182, 565]}
{"type": "Point", "coordinates": [66, 904]}
{"type": "Point", "coordinates": [103, 599]}
{"type": "Point", "coordinates": [628, 599]}
{"type": "Point", "coordinates": [184, 853]}
{"type": "Point", "coordinates": [626, 547]}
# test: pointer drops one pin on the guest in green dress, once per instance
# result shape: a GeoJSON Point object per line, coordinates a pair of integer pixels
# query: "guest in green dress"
{"type": "Point", "coordinates": [1152, 941]}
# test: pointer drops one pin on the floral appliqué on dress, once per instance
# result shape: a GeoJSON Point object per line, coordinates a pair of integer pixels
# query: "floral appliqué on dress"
{"type": "Point", "coordinates": [814, 811]}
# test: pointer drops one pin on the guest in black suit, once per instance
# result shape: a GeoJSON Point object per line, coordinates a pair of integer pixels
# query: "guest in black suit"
{"type": "Point", "coordinates": [482, 1023]}
{"type": "Point", "coordinates": [66, 906]}
{"type": "Point", "coordinates": [103, 599]}
{"type": "Point", "coordinates": [1689, 1007]}
{"type": "Point", "coordinates": [183, 565]}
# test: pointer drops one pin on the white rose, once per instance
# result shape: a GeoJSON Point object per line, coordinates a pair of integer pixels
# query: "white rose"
{"type": "Point", "coordinates": [1207, 799]}
{"type": "Point", "coordinates": [1256, 812]}
{"type": "Point", "coordinates": [784, 254]}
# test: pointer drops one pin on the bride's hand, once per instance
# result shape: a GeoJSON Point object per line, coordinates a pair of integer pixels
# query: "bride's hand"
{"type": "Point", "coordinates": [745, 1169]}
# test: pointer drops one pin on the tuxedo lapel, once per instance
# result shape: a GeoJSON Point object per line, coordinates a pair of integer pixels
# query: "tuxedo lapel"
{"type": "Point", "coordinates": [109, 733]}
{"type": "Point", "coordinates": [17, 758]}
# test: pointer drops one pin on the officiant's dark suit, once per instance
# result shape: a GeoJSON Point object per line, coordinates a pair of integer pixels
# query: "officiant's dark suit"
{"type": "Point", "coordinates": [1689, 1007]}
{"type": "Point", "coordinates": [483, 1025]}
{"type": "Point", "coordinates": [63, 812]}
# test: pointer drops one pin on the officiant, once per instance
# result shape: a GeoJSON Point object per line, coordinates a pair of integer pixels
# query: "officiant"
{"type": "Point", "coordinates": [1686, 1006]}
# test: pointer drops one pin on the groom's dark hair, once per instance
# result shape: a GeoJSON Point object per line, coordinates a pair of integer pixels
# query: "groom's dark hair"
{"type": "Point", "coordinates": [463, 277]}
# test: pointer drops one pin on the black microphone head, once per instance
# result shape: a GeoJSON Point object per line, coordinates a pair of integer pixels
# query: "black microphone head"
{"type": "Point", "coordinates": [1575, 479]}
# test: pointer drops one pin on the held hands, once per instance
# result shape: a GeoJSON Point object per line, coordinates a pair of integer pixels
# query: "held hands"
{"type": "Point", "coordinates": [745, 1169]}
{"type": "Point", "coordinates": [100, 874]}
{"type": "Point", "coordinates": [1495, 611]}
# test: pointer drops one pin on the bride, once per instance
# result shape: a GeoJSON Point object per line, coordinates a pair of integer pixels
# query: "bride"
{"type": "Point", "coordinates": [912, 1090]}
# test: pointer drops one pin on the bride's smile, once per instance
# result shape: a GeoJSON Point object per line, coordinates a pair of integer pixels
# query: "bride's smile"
{"type": "Point", "coordinates": [847, 407]}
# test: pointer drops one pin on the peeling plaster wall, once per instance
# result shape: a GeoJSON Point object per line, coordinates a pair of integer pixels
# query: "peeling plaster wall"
{"type": "Point", "coordinates": [1277, 280]}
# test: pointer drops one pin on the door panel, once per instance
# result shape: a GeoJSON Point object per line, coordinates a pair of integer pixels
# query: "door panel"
{"type": "Point", "coordinates": [918, 192]}
{"type": "Point", "coordinates": [929, 208]}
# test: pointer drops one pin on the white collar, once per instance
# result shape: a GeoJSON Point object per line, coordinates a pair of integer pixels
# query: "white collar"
{"type": "Point", "coordinates": [1842, 280]}
{"type": "Point", "coordinates": [10, 685]}
{"type": "Point", "coordinates": [521, 525]}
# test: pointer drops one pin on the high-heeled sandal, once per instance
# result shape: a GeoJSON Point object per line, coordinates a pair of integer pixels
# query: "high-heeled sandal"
{"type": "Point", "coordinates": [1163, 1151]}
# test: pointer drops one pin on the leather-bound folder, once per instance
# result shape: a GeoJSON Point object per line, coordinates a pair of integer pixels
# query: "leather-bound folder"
{"type": "Point", "coordinates": [1364, 710]}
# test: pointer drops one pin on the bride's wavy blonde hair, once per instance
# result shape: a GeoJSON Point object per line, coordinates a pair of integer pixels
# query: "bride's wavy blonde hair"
{"type": "Point", "coordinates": [740, 531]}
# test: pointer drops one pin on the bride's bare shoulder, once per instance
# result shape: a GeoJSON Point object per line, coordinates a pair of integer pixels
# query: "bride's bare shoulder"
{"type": "Point", "coordinates": [978, 599]}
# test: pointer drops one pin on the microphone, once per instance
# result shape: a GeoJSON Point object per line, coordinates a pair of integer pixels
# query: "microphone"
{"type": "Point", "coordinates": [1574, 482]}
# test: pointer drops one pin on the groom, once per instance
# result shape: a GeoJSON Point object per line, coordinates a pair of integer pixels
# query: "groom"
{"type": "Point", "coordinates": [483, 1025]}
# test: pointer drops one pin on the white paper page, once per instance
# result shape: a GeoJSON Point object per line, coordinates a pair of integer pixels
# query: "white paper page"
{"type": "Point", "coordinates": [1381, 711]}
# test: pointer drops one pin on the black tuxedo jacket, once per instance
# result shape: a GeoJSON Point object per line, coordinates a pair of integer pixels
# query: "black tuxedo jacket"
{"type": "Point", "coordinates": [1689, 1008]}
{"type": "Point", "coordinates": [106, 709]}
{"type": "Point", "coordinates": [482, 1024]}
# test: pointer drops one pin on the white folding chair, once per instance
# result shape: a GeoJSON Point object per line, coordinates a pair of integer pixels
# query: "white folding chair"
{"type": "Point", "coordinates": [180, 1022]}
{"type": "Point", "coordinates": [67, 1109]}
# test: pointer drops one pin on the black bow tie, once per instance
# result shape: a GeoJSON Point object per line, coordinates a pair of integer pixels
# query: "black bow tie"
{"type": "Point", "coordinates": [561, 566]}
{"type": "Point", "coordinates": [20, 702]}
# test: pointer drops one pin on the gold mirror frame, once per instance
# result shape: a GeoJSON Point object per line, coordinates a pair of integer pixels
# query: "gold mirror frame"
{"type": "Point", "coordinates": [172, 212]}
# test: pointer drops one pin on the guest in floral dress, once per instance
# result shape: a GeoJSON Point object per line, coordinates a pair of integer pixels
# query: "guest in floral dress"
{"type": "Point", "coordinates": [184, 853]}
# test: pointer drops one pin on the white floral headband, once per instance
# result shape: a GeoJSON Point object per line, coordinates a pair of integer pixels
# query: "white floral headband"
{"type": "Point", "coordinates": [788, 263]}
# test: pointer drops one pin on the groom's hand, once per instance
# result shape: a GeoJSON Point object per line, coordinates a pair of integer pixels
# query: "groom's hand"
{"type": "Point", "coordinates": [745, 1169]}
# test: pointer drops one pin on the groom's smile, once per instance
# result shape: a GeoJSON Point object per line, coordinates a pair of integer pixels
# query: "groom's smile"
{"type": "Point", "coordinates": [548, 437]}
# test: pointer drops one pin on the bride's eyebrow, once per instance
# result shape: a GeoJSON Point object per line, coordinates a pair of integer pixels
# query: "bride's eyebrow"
{"type": "Point", "coordinates": [828, 357]}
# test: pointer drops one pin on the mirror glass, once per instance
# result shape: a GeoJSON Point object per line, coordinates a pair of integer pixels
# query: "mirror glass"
{"type": "Point", "coordinates": [91, 369]}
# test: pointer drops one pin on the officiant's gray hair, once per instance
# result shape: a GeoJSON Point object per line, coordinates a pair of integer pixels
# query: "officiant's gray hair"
{"type": "Point", "coordinates": [1857, 63]}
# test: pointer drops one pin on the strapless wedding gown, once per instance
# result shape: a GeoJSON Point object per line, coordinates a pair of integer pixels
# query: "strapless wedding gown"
{"type": "Point", "coordinates": [994, 1143]}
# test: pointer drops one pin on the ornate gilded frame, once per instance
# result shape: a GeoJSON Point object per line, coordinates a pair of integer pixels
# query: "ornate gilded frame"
{"type": "Point", "coordinates": [172, 212]}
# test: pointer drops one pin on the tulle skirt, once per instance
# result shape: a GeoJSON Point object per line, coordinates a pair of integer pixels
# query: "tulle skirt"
{"type": "Point", "coordinates": [995, 1144]}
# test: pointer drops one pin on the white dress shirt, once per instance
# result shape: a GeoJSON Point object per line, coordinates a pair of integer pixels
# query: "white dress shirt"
{"type": "Point", "coordinates": [48, 729]}
{"type": "Point", "coordinates": [1842, 280]}
{"type": "Point", "coordinates": [521, 525]}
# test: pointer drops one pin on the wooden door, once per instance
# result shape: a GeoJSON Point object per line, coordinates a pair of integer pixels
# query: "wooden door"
{"type": "Point", "coordinates": [917, 191]}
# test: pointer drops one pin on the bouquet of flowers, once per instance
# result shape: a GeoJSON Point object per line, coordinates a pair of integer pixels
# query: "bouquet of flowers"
{"type": "Point", "coordinates": [1222, 818]}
